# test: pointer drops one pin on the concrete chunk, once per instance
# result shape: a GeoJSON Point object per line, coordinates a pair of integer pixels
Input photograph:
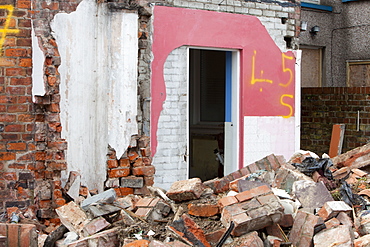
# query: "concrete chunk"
{"type": "Point", "coordinates": [310, 194]}
{"type": "Point", "coordinates": [107, 196]}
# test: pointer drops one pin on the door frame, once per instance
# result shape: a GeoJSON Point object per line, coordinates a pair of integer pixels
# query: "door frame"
{"type": "Point", "coordinates": [232, 138]}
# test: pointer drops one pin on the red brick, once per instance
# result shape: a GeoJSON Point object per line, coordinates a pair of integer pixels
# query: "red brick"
{"type": "Point", "coordinates": [7, 62]}
{"type": "Point", "coordinates": [124, 162]}
{"type": "Point", "coordinates": [144, 202]}
{"type": "Point", "coordinates": [249, 194]}
{"type": "Point", "coordinates": [214, 237]}
{"type": "Point", "coordinates": [185, 190]}
{"type": "Point", "coordinates": [14, 128]}
{"type": "Point", "coordinates": [17, 146]}
{"type": "Point", "coordinates": [112, 163]}
{"type": "Point", "coordinates": [253, 167]}
{"type": "Point", "coordinates": [16, 90]}
{"type": "Point", "coordinates": [203, 210]}
{"type": "Point", "coordinates": [143, 212]}
{"type": "Point", "coordinates": [13, 234]}
{"type": "Point", "coordinates": [138, 162]}
{"type": "Point", "coordinates": [7, 156]}
{"type": "Point", "coordinates": [332, 223]}
{"type": "Point", "coordinates": [17, 166]}
{"type": "Point", "coordinates": [333, 208]}
{"type": "Point", "coordinates": [138, 243]}
{"type": "Point", "coordinates": [17, 108]}
{"type": "Point", "coordinates": [15, 72]}
{"type": "Point", "coordinates": [148, 180]}
{"type": "Point", "coordinates": [119, 172]}
{"type": "Point", "coordinates": [226, 201]}
{"type": "Point", "coordinates": [132, 155]}
{"type": "Point", "coordinates": [124, 191]}
{"type": "Point", "coordinates": [19, 52]}
{"type": "Point", "coordinates": [143, 171]}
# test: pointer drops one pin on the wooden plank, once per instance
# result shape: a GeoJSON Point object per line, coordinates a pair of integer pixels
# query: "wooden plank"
{"type": "Point", "coordinates": [336, 141]}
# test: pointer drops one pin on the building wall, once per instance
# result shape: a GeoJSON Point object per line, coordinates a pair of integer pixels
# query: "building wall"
{"type": "Point", "coordinates": [323, 107]}
{"type": "Point", "coordinates": [265, 91]}
{"type": "Point", "coordinates": [343, 35]}
{"type": "Point", "coordinates": [98, 85]}
{"type": "Point", "coordinates": [170, 161]}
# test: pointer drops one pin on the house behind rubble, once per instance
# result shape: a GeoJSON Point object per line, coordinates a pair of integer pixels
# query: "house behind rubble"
{"type": "Point", "coordinates": [84, 83]}
{"type": "Point", "coordinates": [335, 72]}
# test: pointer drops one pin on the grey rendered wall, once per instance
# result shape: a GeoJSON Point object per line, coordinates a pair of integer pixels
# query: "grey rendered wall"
{"type": "Point", "coordinates": [344, 35]}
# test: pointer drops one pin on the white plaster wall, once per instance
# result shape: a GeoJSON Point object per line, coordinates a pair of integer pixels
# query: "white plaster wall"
{"type": "Point", "coordinates": [172, 125]}
{"type": "Point", "coordinates": [98, 86]}
{"type": "Point", "coordinates": [268, 135]}
{"type": "Point", "coordinates": [38, 87]}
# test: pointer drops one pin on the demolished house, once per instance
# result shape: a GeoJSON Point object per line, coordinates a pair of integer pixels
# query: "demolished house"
{"type": "Point", "coordinates": [84, 84]}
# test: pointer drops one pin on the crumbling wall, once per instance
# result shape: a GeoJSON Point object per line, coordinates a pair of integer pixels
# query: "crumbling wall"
{"type": "Point", "coordinates": [323, 107]}
{"type": "Point", "coordinates": [32, 150]}
{"type": "Point", "coordinates": [34, 123]}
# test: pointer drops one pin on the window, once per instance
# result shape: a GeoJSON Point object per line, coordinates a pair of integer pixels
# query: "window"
{"type": "Point", "coordinates": [358, 73]}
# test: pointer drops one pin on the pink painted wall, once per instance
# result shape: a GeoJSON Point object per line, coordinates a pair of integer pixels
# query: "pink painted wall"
{"type": "Point", "coordinates": [267, 74]}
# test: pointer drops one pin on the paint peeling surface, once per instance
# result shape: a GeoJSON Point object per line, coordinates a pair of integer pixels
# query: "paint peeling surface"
{"type": "Point", "coordinates": [98, 86]}
{"type": "Point", "coordinates": [267, 75]}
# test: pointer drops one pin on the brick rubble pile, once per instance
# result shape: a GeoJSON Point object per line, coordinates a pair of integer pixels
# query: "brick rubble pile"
{"type": "Point", "coordinates": [306, 201]}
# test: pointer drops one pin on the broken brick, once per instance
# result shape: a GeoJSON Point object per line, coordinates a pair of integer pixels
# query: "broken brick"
{"type": "Point", "coordinates": [335, 236]}
{"type": "Point", "coordinates": [203, 210]}
{"type": "Point", "coordinates": [249, 194]}
{"type": "Point", "coordinates": [189, 231]}
{"type": "Point", "coordinates": [185, 190]}
{"type": "Point", "coordinates": [303, 229]}
{"type": "Point", "coordinates": [333, 208]}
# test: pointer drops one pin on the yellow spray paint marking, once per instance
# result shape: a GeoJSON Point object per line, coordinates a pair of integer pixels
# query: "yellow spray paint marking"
{"type": "Point", "coordinates": [6, 30]}
{"type": "Point", "coordinates": [283, 57]}
{"type": "Point", "coordinates": [287, 105]}
{"type": "Point", "coordinates": [254, 80]}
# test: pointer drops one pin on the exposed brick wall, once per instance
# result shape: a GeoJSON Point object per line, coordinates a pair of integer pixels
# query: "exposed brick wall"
{"type": "Point", "coordinates": [31, 148]}
{"type": "Point", "coordinates": [133, 172]}
{"type": "Point", "coordinates": [323, 107]}
{"type": "Point", "coordinates": [16, 109]}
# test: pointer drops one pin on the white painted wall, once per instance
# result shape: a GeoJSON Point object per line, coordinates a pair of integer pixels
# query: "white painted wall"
{"type": "Point", "coordinates": [38, 87]}
{"type": "Point", "coordinates": [172, 125]}
{"type": "Point", "coordinates": [98, 87]}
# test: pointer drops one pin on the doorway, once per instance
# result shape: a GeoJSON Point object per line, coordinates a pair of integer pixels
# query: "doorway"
{"type": "Point", "coordinates": [210, 112]}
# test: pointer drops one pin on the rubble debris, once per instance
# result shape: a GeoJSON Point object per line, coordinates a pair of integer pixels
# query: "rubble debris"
{"type": "Point", "coordinates": [335, 236]}
{"type": "Point", "coordinates": [303, 202]}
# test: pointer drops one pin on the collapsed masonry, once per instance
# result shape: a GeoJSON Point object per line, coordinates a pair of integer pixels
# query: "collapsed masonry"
{"type": "Point", "coordinates": [303, 202]}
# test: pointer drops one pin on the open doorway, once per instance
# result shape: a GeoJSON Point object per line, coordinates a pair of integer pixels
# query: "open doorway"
{"type": "Point", "coordinates": [209, 94]}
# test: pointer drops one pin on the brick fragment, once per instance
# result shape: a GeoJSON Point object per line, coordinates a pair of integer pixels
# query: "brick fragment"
{"type": "Point", "coordinates": [185, 190]}
{"type": "Point", "coordinates": [226, 201]}
{"type": "Point", "coordinates": [72, 217]}
{"type": "Point", "coordinates": [132, 182]}
{"type": "Point", "coordinates": [251, 240]}
{"type": "Point", "coordinates": [333, 208]}
{"type": "Point", "coordinates": [335, 236]}
{"type": "Point", "coordinates": [95, 226]}
{"type": "Point", "coordinates": [303, 229]}
{"type": "Point", "coordinates": [214, 237]}
{"type": "Point", "coordinates": [203, 210]}
{"type": "Point", "coordinates": [332, 223]}
{"type": "Point", "coordinates": [189, 231]}
{"type": "Point", "coordinates": [247, 195]}
{"type": "Point", "coordinates": [143, 171]}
